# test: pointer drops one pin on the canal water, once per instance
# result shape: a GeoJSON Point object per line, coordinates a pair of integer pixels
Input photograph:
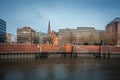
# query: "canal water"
{"type": "Point", "coordinates": [60, 69]}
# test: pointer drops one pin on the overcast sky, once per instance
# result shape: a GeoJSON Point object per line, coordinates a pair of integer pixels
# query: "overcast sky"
{"type": "Point", "coordinates": [61, 13]}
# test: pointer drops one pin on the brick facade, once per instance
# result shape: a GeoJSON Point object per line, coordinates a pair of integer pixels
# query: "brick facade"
{"type": "Point", "coordinates": [112, 32]}
{"type": "Point", "coordinates": [18, 48]}
{"type": "Point", "coordinates": [57, 48]}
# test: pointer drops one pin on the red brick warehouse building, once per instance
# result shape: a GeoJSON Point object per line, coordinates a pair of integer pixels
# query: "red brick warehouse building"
{"type": "Point", "coordinates": [26, 35]}
{"type": "Point", "coordinates": [112, 32]}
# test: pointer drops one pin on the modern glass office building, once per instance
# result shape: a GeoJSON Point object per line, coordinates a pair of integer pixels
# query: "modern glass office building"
{"type": "Point", "coordinates": [2, 31]}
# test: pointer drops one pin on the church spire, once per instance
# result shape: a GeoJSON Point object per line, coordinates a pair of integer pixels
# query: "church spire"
{"type": "Point", "coordinates": [49, 29]}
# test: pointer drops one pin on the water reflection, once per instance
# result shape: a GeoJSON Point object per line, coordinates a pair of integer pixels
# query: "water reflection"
{"type": "Point", "coordinates": [60, 69]}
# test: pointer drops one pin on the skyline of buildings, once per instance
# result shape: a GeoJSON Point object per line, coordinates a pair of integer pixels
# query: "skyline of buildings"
{"type": "Point", "coordinates": [62, 13]}
{"type": "Point", "coordinates": [81, 35]}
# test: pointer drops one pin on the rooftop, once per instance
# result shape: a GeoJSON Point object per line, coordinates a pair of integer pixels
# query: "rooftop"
{"type": "Point", "coordinates": [84, 28]}
{"type": "Point", "coordinates": [115, 20]}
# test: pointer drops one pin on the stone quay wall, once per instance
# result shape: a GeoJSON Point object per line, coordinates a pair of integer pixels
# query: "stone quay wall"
{"type": "Point", "coordinates": [18, 48]}
{"type": "Point", "coordinates": [58, 48]}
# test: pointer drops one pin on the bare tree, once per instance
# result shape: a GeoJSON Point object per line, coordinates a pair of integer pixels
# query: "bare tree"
{"type": "Point", "coordinates": [49, 39]}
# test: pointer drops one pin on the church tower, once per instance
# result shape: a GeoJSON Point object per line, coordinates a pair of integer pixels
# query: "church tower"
{"type": "Point", "coordinates": [49, 29]}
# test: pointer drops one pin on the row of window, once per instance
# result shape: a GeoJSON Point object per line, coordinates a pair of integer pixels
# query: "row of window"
{"type": "Point", "coordinates": [3, 28]}
{"type": "Point", "coordinates": [2, 22]}
{"type": "Point", "coordinates": [1, 25]}
{"type": "Point", "coordinates": [2, 31]}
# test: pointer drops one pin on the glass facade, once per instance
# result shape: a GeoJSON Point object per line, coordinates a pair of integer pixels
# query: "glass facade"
{"type": "Point", "coordinates": [2, 31]}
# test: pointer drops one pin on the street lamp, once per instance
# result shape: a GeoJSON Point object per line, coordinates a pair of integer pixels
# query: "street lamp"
{"type": "Point", "coordinates": [39, 47]}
